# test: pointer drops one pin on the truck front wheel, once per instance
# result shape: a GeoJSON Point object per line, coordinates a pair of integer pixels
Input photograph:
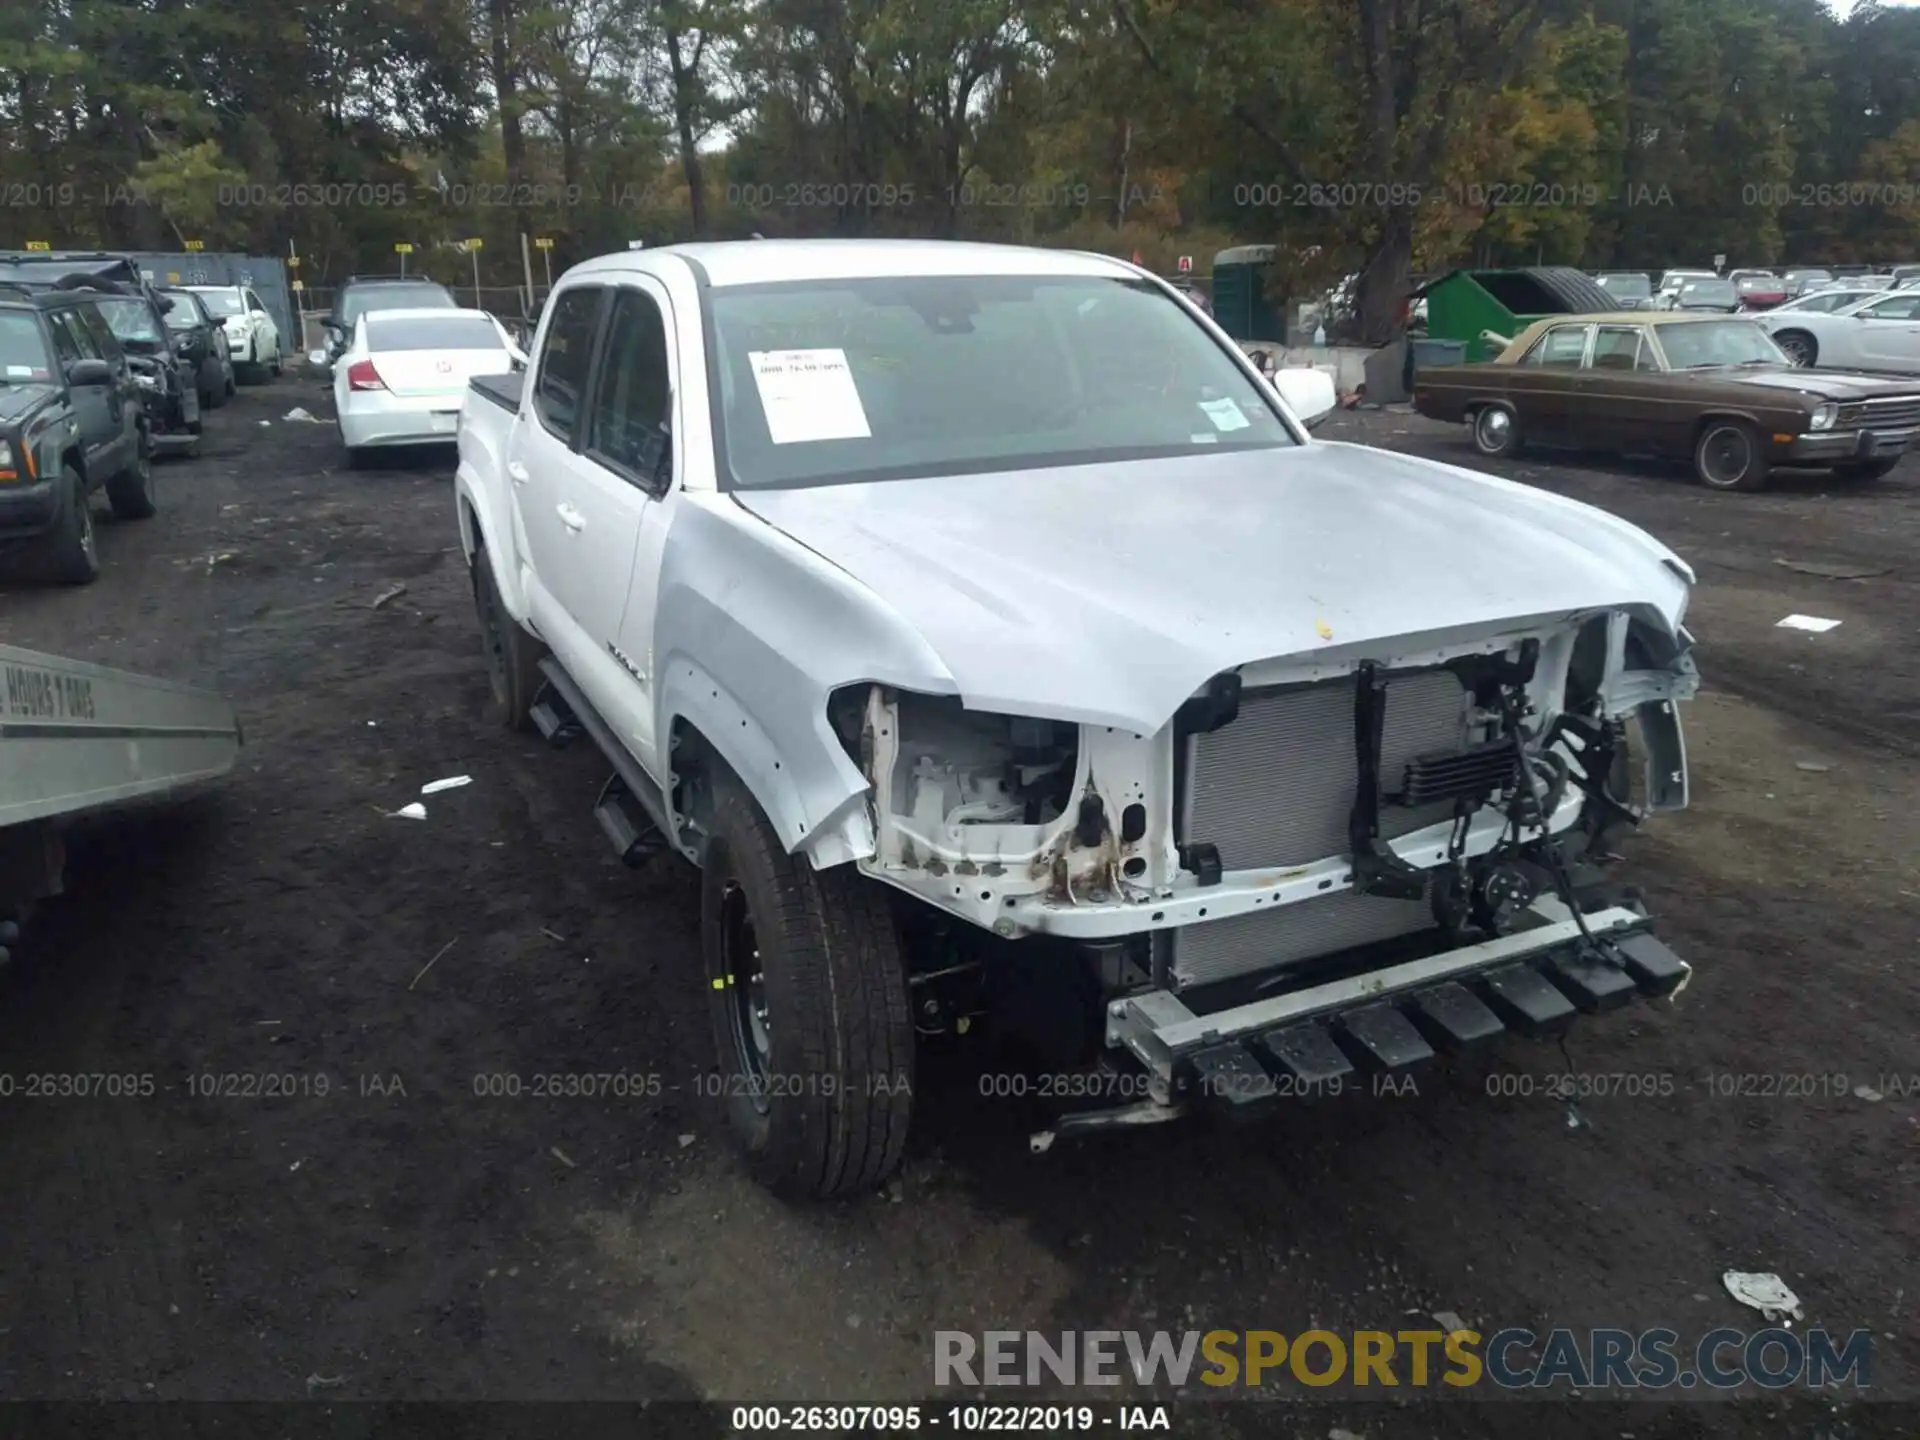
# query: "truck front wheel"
{"type": "Point", "coordinates": [808, 994]}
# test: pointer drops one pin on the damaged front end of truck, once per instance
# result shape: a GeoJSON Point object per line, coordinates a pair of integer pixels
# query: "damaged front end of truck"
{"type": "Point", "coordinates": [1316, 868]}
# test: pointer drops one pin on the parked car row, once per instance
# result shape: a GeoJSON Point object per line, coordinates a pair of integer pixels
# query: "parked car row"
{"type": "Point", "coordinates": [1751, 288]}
{"type": "Point", "coordinates": [100, 372]}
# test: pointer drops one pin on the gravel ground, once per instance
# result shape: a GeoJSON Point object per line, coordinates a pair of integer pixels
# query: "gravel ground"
{"type": "Point", "coordinates": [402, 1237]}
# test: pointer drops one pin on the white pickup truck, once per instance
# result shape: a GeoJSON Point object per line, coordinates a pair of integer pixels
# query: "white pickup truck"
{"type": "Point", "coordinates": [1012, 659]}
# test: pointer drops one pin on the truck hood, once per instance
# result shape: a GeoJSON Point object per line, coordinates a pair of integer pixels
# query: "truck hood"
{"type": "Point", "coordinates": [20, 398]}
{"type": "Point", "coordinates": [1108, 594]}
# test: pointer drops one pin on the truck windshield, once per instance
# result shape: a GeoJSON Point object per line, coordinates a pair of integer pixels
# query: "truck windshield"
{"type": "Point", "coordinates": [131, 320]}
{"type": "Point", "coordinates": [877, 379]}
{"type": "Point", "coordinates": [184, 315]}
{"type": "Point", "coordinates": [23, 350]}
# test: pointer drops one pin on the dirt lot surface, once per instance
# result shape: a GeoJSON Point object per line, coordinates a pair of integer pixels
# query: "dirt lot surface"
{"type": "Point", "coordinates": [404, 1237]}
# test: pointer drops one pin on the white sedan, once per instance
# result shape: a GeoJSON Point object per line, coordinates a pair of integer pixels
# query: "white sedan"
{"type": "Point", "coordinates": [253, 340]}
{"type": "Point", "coordinates": [1881, 332]}
{"type": "Point", "coordinates": [404, 373]}
{"type": "Point", "coordinates": [1840, 295]}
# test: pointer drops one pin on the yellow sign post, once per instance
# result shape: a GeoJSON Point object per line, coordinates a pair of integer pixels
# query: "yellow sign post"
{"type": "Point", "coordinates": [473, 249]}
{"type": "Point", "coordinates": [544, 244]}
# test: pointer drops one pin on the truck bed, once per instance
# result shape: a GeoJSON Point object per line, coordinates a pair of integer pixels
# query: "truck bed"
{"type": "Point", "coordinates": [77, 738]}
{"type": "Point", "coordinates": [502, 390]}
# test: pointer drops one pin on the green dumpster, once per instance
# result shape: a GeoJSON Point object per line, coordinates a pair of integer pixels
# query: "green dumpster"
{"type": "Point", "coordinates": [1463, 303]}
{"type": "Point", "coordinates": [1240, 303]}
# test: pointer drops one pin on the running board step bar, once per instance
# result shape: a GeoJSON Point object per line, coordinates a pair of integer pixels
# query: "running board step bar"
{"type": "Point", "coordinates": [1313, 1040]}
{"type": "Point", "coordinates": [636, 839]}
{"type": "Point", "coordinates": [554, 718]}
{"type": "Point", "coordinates": [630, 809]}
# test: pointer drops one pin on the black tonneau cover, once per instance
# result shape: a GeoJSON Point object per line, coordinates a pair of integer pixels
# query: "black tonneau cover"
{"type": "Point", "coordinates": [502, 390]}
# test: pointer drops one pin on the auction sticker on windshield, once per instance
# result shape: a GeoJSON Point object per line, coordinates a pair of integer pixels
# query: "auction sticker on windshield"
{"type": "Point", "coordinates": [808, 395]}
{"type": "Point", "coordinates": [1225, 414]}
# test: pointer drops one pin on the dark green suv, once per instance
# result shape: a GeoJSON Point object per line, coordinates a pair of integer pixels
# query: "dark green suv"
{"type": "Point", "coordinates": [71, 423]}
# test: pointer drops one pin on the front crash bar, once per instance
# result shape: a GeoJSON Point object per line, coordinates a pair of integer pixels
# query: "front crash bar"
{"type": "Point", "coordinates": [1160, 1031]}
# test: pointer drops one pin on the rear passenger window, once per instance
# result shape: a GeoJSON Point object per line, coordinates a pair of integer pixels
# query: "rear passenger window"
{"type": "Point", "coordinates": [561, 380]}
{"type": "Point", "coordinates": [1616, 349]}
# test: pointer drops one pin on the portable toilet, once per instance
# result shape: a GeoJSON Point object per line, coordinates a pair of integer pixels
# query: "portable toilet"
{"type": "Point", "coordinates": [1463, 303]}
{"type": "Point", "coordinates": [1240, 303]}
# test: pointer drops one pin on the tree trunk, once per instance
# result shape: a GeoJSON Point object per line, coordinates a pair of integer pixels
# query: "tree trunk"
{"type": "Point", "coordinates": [686, 79]}
{"type": "Point", "coordinates": [506, 86]}
{"type": "Point", "coordinates": [1386, 279]}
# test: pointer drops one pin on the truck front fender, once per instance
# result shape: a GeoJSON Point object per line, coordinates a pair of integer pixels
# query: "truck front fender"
{"type": "Point", "coordinates": [754, 634]}
{"type": "Point", "coordinates": [811, 794]}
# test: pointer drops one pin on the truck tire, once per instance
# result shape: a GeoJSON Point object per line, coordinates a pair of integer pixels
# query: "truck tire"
{"type": "Point", "coordinates": [808, 994]}
{"type": "Point", "coordinates": [513, 656]}
{"type": "Point", "coordinates": [131, 491]}
{"type": "Point", "coordinates": [70, 555]}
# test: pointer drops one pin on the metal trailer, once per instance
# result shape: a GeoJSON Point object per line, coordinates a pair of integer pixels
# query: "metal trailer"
{"type": "Point", "coordinates": [78, 741]}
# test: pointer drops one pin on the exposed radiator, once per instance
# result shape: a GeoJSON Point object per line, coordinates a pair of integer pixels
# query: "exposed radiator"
{"type": "Point", "coordinates": [1275, 787]}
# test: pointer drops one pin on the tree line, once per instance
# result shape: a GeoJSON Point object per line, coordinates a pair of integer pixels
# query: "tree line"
{"type": "Point", "coordinates": [1383, 137]}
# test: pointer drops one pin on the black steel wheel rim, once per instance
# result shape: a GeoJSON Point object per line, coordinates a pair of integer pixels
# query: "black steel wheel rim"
{"type": "Point", "coordinates": [746, 991]}
{"type": "Point", "coordinates": [1797, 350]}
{"type": "Point", "coordinates": [1726, 456]}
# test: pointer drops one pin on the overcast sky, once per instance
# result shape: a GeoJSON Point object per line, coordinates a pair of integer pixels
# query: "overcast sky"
{"type": "Point", "coordinates": [1843, 7]}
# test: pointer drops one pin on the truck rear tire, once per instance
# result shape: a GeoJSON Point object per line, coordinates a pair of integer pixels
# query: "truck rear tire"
{"type": "Point", "coordinates": [808, 995]}
{"type": "Point", "coordinates": [513, 656]}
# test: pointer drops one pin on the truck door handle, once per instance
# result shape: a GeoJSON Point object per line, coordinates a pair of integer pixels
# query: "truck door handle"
{"type": "Point", "coordinates": [517, 472]}
{"type": "Point", "coordinates": [570, 517]}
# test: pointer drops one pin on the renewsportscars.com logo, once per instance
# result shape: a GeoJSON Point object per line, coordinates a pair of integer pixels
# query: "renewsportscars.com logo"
{"type": "Point", "coordinates": [1513, 1359]}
